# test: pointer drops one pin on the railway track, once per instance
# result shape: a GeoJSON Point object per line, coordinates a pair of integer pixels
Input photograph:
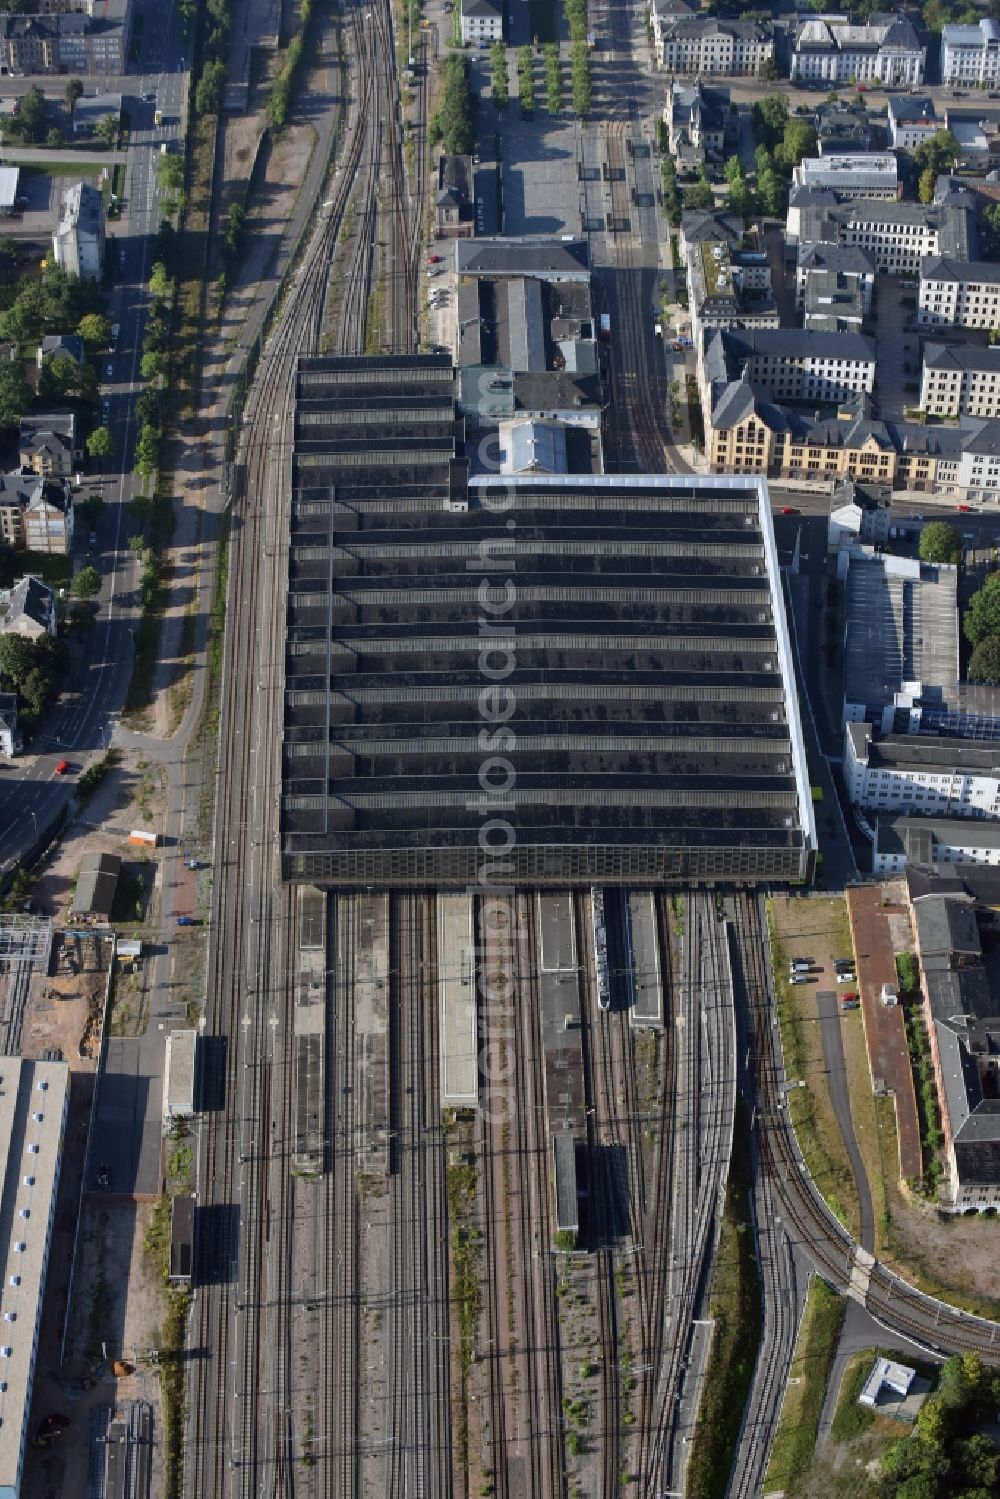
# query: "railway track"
{"type": "Point", "coordinates": [833, 1253]}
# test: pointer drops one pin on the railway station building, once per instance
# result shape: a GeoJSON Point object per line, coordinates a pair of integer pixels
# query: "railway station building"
{"type": "Point", "coordinates": [567, 679]}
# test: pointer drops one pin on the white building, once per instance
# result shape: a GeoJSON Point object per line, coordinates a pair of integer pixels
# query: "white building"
{"type": "Point", "coordinates": [861, 174]}
{"type": "Point", "coordinates": [34, 1097]}
{"type": "Point", "coordinates": [78, 238]}
{"type": "Point", "coordinates": [28, 609]}
{"type": "Point", "coordinates": [912, 120]}
{"type": "Point", "coordinates": [971, 54]}
{"type": "Point", "coordinates": [921, 773]}
{"type": "Point", "coordinates": [959, 380]}
{"type": "Point", "coordinates": [11, 742]}
{"type": "Point", "coordinates": [965, 293]}
{"type": "Point", "coordinates": [978, 472]}
{"type": "Point", "coordinates": [898, 235]}
{"type": "Point", "coordinates": [829, 50]}
{"type": "Point", "coordinates": [887, 1375]}
{"type": "Point", "coordinates": [482, 21]}
{"type": "Point", "coordinates": [707, 47]}
{"type": "Point", "coordinates": [933, 841]}
{"type": "Point", "coordinates": [798, 364]}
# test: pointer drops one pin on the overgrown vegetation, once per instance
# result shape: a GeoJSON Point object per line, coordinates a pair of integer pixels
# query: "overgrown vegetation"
{"type": "Point", "coordinates": [283, 92]}
{"type": "Point", "coordinates": [35, 670]}
{"type": "Point", "coordinates": [94, 775]}
{"type": "Point", "coordinates": [947, 1452]}
{"type": "Point", "coordinates": [851, 1418]}
{"type": "Point", "coordinates": [453, 122]}
{"type": "Point", "coordinates": [927, 1100]}
{"type": "Point", "coordinates": [172, 1359]}
{"type": "Point", "coordinates": [734, 1303]}
{"type": "Point", "coordinates": [815, 1348]}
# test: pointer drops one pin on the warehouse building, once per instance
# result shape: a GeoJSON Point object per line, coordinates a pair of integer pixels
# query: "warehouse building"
{"type": "Point", "coordinates": [34, 1097]}
{"type": "Point", "coordinates": [620, 642]}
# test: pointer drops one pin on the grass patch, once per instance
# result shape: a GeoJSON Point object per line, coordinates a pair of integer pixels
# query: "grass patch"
{"type": "Point", "coordinates": [814, 1122]}
{"type": "Point", "coordinates": [815, 1348]}
{"type": "Point", "coordinates": [734, 1303]}
{"type": "Point", "coordinates": [851, 1419]}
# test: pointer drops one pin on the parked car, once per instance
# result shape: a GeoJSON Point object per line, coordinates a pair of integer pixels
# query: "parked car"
{"type": "Point", "coordinates": [186, 921]}
{"type": "Point", "coordinates": [798, 978]}
{"type": "Point", "coordinates": [62, 767]}
{"type": "Point", "coordinates": [846, 978]}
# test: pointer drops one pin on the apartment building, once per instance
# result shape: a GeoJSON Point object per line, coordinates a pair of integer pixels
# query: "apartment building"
{"type": "Point", "coordinates": [864, 174]}
{"type": "Point", "coordinates": [963, 293]}
{"type": "Point", "coordinates": [78, 238]}
{"type": "Point", "coordinates": [728, 288]}
{"type": "Point", "coordinates": [899, 236]}
{"type": "Point", "coordinates": [47, 443]}
{"type": "Point", "coordinates": [29, 609]}
{"type": "Point", "coordinates": [36, 512]}
{"type": "Point", "coordinates": [921, 773]}
{"type": "Point", "coordinates": [697, 119]}
{"type": "Point", "coordinates": [960, 381]}
{"type": "Point", "coordinates": [481, 21]}
{"type": "Point", "coordinates": [827, 49]}
{"type": "Point", "coordinates": [970, 55]}
{"type": "Point", "coordinates": [977, 472]}
{"type": "Point", "coordinates": [92, 38]}
{"type": "Point", "coordinates": [833, 303]}
{"type": "Point", "coordinates": [707, 47]}
{"type": "Point", "coordinates": [912, 120]}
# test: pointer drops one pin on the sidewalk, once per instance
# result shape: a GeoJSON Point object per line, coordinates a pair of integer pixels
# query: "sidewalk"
{"type": "Point", "coordinates": [885, 1029]}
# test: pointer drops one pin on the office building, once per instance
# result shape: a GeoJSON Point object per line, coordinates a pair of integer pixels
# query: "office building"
{"type": "Point", "coordinates": [710, 47]}
{"type": "Point", "coordinates": [481, 21]}
{"type": "Point", "coordinates": [921, 773]}
{"type": "Point", "coordinates": [899, 236]}
{"type": "Point", "coordinates": [962, 293]}
{"type": "Point", "coordinates": [932, 843]}
{"type": "Point", "coordinates": [859, 175]}
{"type": "Point", "coordinates": [828, 49]}
{"type": "Point", "coordinates": [794, 364]}
{"type": "Point", "coordinates": [846, 262]}
{"type": "Point", "coordinates": [912, 121]}
{"type": "Point", "coordinates": [970, 54]}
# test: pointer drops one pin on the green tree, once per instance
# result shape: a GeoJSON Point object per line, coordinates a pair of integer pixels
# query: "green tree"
{"type": "Point", "coordinates": [211, 85]}
{"type": "Point", "coordinates": [798, 140]}
{"type": "Point", "coordinates": [36, 691]}
{"type": "Point", "coordinates": [16, 658]}
{"type": "Point", "coordinates": [581, 82]}
{"type": "Point", "coordinates": [526, 78]}
{"type": "Point", "coordinates": [170, 173]}
{"type": "Point", "coordinates": [700, 194]}
{"type": "Point", "coordinates": [925, 185]}
{"type": "Point", "coordinates": [100, 443]}
{"type": "Point", "coordinates": [73, 91]}
{"type": "Point", "coordinates": [15, 394]}
{"type": "Point", "coordinates": [739, 195]}
{"type": "Point", "coordinates": [501, 83]}
{"type": "Point", "coordinates": [553, 79]}
{"type": "Point", "coordinates": [940, 542]}
{"type": "Point", "coordinates": [147, 451]}
{"type": "Point", "coordinates": [453, 123]}
{"type": "Point", "coordinates": [982, 618]}
{"type": "Point", "coordinates": [106, 130]}
{"type": "Point", "coordinates": [768, 118]}
{"type": "Point", "coordinates": [54, 138]}
{"type": "Point", "coordinates": [152, 365]}
{"type": "Point", "coordinates": [159, 282]}
{"type": "Point", "coordinates": [95, 330]}
{"type": "Point", "coordinates": [31, 116]}
{"type": "Point", "coordinates": [87, 583]}
{"type": "Point", "coordinates": [62, 379]}
{"type": "Point", "coordinates": [938, 154]}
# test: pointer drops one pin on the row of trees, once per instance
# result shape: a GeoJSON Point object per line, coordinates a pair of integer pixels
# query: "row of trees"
{"type": "Point", "coordinates": [286, 82]}
{"type": "Point", "coordinates": [501, 82]}
{"type": "Point", "coordinates": [453, 122]}
{"type": "Point", "coordinates": [211, 81]}
{"type": "Point", "coordinates": [575, 12]}
{"type": "Point", "coordinates": [526, 79]}
{"type": "Point", "coordinates": [581, 79]}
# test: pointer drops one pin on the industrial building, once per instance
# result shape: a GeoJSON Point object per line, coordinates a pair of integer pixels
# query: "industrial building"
{"type": "Point", "coordinates": [34, 1097]}
{"type": "Point", "coordinates": [96, 884]}
{"type": "Point", "coordinates": [929, 842]}
{"type": "Point", "coordinates": [568, 680]}
{"type": "Point", "coordinates": [963, 1022]}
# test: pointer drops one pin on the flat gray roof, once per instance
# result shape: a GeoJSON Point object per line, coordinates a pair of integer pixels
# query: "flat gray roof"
{"type": "Point", "coordinates": [901, 626]}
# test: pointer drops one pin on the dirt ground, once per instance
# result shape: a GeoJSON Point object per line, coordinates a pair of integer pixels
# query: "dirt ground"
{"type": "Point", "coordinates": [957, 1258]}
{"type": "Point", "coordinates": [110, 1262]}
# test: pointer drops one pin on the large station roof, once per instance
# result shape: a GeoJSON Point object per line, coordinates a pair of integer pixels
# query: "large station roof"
{"type": "Point", "coordinates": [597, 665]}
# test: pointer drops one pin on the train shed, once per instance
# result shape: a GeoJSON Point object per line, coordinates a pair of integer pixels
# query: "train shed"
{"type": "Point", "coordinates": [459, 1065]}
